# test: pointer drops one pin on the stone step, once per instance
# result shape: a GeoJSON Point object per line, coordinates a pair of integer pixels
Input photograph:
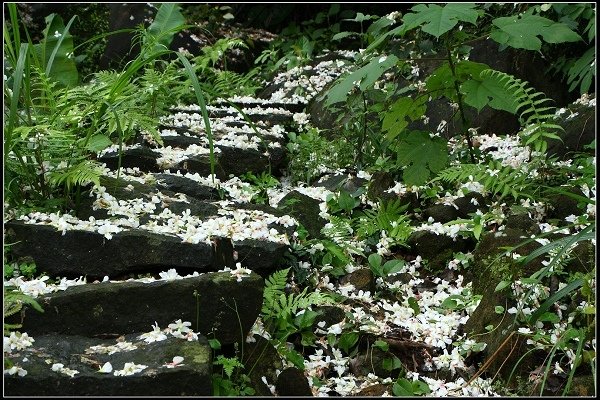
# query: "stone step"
{"type": "Point", "coordinates": [160, 377]}
{"type": "Point", "coordinates": [226, 307]}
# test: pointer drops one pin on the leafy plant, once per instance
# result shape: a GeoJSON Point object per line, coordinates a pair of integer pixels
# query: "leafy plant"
{"type": "Point", "coordinates": [262, 183]}
{"type": "Point", "coordinates": [227, 383]}
{"type": "Point", "coordinates": [390, 267]}
{"type": "Point", "coordinates": [14, 300]}
{"type": "Point", "coordinates": [279, 308]}
{"type": "Point", "coordinates": [497, 179]}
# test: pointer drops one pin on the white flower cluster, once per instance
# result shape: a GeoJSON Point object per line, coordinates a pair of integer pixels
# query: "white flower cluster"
{"type": "Point", "coordinates": [130, 369]}
{"type": "Point", "coordinates": [36, 287]}
{"type": "Point", "coordinates": [111, 349]}
{"type": "Point", "coordinates": [238, 272]}
{"type": "Point", "coordinates": [60, 368]}
{"type": "Point", "coordinates": [17, 341]}
{"type": "Point", "coordinates": [509, 149]}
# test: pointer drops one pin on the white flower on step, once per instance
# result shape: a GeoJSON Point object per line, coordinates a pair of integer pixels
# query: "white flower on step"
{"type": "Point", "coordinates": [130, 369]}
{"type": "Point", "coordinates": [177, 360]}
{"type": "Point", "coordinates": [58, 367]}
{"type": "Point", "coordinates": [17, 341]}
{"type": "Point", "coordinates": [180, 329]}
{"type": "Point", "coordinates": [15, 370]}
{"type": "Point", "coordinates": [155, 336]}
{"type": "Point", "coordinates": [240, 272]}
{"type": "Point", "coordinates": [106, 368]}
{"type": "Point", "coordinates": [169, 275]}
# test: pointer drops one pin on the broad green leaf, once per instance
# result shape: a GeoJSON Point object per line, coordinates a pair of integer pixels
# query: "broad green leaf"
{"type": "Point", "coordinates": [412, 302]}
{"type": "Point", "coordinates": [98, 143]}
{"type": "Point", "coordinates": [55, 52]}
{"type": "Point", "coordinates": [392, 266]}
{"type": "Point", "coordinates": [437, 20]}
{"type": "Point", "coordinates": [501, 285]}
{"type": "Point", "coordinates": [488, 92]}
{"type": "Point", "coordinates": [522, 31]}
{"type": "Point", "coordinates": [441, 81]}
{"type": "Point", "coordinates": [163, 28]}
{"type": "Point", "coordinates": [341, 35]}
{"type": "Point", "coordinates": [396, 119]}
{"type": "Point", "coordinates": [363, 77]}
{"type": "Point", "coordinates": [374, 260]}
{"type": "Point", "coordinates": [348, 340]}
{"type": "Point", "coordinates": [380, 344]}
{"type": "Point", "coordinates": [421, 155]}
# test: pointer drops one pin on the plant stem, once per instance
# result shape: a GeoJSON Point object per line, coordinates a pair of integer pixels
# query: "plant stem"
{"type": "Point", "coordinates": [460, 103]}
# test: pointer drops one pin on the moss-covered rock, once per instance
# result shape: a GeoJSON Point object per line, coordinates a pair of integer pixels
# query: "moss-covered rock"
{"type": "Point", "coordinates": [489, 267]}
{"type": "Point", "coordinates": [191, 378]}
{"type": "Point", "coordinates": [306, 211]}
{"type": "Point", "coordinates": [223, 307]}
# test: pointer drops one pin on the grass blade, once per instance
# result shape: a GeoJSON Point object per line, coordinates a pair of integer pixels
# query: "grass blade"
{"type": "Point", "coordinates": [202, 103]}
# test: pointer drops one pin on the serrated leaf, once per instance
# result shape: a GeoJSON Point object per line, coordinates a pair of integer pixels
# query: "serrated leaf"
{"type": "Point", "coordinates": [522, 31]}
{"type": "Point", "coordinates": [396, 119]}
{"type": "Point", "coordinates": [364, 77]}
{"type": "Point", "coordinates": [437, 20]}
{"type": "Point", "coordinates": [487, 92]}
{"type": "Point", "coordinates": [421, 155]}
{"type": "Point", "coordinates": [441, 81]}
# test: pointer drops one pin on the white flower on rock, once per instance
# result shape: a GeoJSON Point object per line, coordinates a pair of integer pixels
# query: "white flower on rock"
{"type": "Point", "coordinates": [60, 368]}
{"type": "Point", "coordinates": [155, 336]}
{"type": "Point", "coordinates": [106, 368]}
{"type": "Point", "coordinates": [130, 369]}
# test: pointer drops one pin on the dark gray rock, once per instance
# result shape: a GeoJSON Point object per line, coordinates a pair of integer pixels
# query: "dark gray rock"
{"type": "Point", "coordinates": [362, 279]}
{"type": "Point", "coordinates": [141, 157]}
{"type": "Point", "coordinates": [261, 256]}
{"type": "Point", "coordinates": [563, 205]}
{"type": "Point", "coordinates": [187, 186]}
{"type": "Point", "coordinates": [331, 315]}
{"type": "Point", "coordinates": [578, 132]}
{"type": "Point", "coordinates": [441, 213]}
{"type": "Point", "coordinates": [306, 211]}
{"type": "Point", "coordinates": [292, 382]}
{"type": "Point", "coordinates": [523, 222]}
{"type": "Point", "coordinates": [127, 307]}
{"type": "Point", "coordinates": [489, 268]}
{"type": "Point", "coordinates": [436, 249]}
{"type": "Point", "coordinates": [192, 378]}
{"type": "Point", "coordinates": [89, 253]}
{"type": "Point", "coordinates": [466, 206]}
{"type": "Point", "coordinates": [261, 359]}
{"type": "Point", "coordinates": [380, 182]}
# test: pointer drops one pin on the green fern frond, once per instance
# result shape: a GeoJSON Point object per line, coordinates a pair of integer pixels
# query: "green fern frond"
{"type": "Point", "coordinates": [531, 107]}
{"type": "Point", "coordinates": [81, 174]}
{"type": "Point", "coordinates": [503, 181]}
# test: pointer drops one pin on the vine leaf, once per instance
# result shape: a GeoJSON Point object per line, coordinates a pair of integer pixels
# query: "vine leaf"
{"type": "Point", "coordinates": [441, 81]}
{"type": "Point", "coordinates": [521, 32]}
{"type": "Point", "coordinates": [364, 76]}
{"type": "Point", "coordinates": [421, 155]}
{"type": "Point", "coordinates": [480, 93]}
{"type": "Point", "coordinates": [395, 120]}
{"type": "Point", "coordinates": [437, 20]}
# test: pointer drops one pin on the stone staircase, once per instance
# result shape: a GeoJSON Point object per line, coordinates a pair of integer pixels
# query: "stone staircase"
{"type": "Point", "coordinates": [161, 212]}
